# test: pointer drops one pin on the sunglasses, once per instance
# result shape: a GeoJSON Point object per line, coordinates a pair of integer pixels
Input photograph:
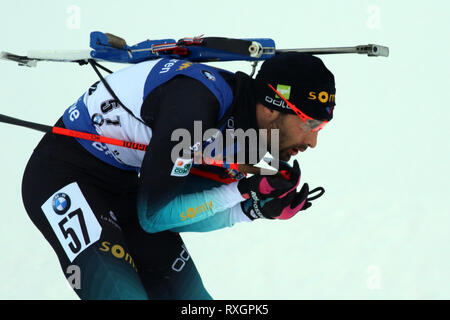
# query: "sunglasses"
{"type": "Point", "coordinates": [313, 124]}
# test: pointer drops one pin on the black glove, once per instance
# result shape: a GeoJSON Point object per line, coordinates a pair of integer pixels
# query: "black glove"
{"type": "Point", "coordinates": [284, 207]}
{"type": "Point", "coordinates": [271, 186]}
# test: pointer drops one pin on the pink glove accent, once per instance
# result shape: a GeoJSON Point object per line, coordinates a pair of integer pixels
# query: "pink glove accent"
{"type": "Point", "coordinates": [265, 187]}
{"type": "Point", "coordinates": [289, 212]}
{"type": "Point", "coordinates": [293, 188]}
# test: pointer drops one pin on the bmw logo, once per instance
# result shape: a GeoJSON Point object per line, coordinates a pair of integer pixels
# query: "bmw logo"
{"type": "Point", "coordinates": [61, 203]}
{"type": "Point", "coordinates": [97, 119]}
{"type": "Point", "coordinates": [209, 75]}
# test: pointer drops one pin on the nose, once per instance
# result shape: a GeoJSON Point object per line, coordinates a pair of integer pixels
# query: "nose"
{"type": "Point", "coordinates": [311, 139]}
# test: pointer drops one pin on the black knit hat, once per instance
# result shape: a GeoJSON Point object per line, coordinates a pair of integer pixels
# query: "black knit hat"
{"type": "Point", "coordinates": [302, 79]}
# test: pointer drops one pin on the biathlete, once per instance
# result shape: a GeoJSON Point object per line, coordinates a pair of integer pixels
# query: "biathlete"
{"type": "Point", "coordinates": [117, 213]}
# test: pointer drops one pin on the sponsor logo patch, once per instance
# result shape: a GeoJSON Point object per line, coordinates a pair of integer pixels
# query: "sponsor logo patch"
{"type": "Point", "coordinates": [97, 119]}
{"type": "Point", "coordinates": [193, 212]}
{"type": "Point", "coordinates": [61, 203]}
{"type": "Point", "coordinates": [184, 65]}
{"type": "Point", "coordinates": [208, 75]}
{"type": "Point", "coordinates": [285, 90]}
{"type": "Point", "coordinates": [322, 96]}
{"type": "Point", "coordinates": [118, 252]}
{"type": "Point", "coordinates": [181, 167]}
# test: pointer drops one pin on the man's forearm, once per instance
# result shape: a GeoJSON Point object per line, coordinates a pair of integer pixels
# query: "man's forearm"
{"type": "Point", "coordinates": [187, 209]}
{"type": "Point", "coordinates": [220, 220]}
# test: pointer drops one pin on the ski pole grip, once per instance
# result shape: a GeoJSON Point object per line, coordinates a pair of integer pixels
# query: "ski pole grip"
{"type": "Point", "coordinates": [115, 41]}
{"type": "Point", "coordinates": [250, 169]}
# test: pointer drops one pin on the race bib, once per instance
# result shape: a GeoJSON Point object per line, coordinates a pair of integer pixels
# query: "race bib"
{"type": "Point", "coordinates": [72, 220]}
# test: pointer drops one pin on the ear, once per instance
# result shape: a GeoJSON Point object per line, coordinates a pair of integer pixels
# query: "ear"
{"type": "Point", "coordinates": [266, 114]}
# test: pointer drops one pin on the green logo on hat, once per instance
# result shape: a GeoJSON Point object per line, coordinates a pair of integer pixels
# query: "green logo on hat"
{"type": "Point", "coordinates": [284, 90]}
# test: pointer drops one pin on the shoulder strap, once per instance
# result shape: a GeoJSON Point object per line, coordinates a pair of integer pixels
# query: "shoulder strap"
{"type": "Point", "coordinates": [94, 65]}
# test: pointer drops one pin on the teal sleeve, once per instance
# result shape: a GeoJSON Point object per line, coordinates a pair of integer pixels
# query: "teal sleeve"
{"type": "Point", "coordinates": [217, 221]}
{"type": "Point", "coordinates": [198, 201]}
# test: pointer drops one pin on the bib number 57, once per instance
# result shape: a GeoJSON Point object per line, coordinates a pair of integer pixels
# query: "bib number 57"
{"type": "Point", "coordinates": [75, 245]}
{"type": "Point", "coordinates": [72, 220]}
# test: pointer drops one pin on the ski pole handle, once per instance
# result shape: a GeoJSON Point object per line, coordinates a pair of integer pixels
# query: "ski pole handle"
{"type": "Point", "coordinates": [251, 169]}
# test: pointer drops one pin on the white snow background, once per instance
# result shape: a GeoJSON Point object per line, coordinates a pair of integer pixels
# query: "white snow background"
{"type": "Point", "coordinates": [381, 229]}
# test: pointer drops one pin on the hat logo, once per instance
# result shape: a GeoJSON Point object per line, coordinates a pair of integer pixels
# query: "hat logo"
{"type": "Point", "coordinates": [322, 96]}
{"type": "Point", "coordinates": [285, 90]}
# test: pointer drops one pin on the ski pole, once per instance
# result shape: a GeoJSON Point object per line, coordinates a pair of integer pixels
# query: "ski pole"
{"type": "Point", "coordinates": [73, 133]}
{"type": "Point", "coordinates": [245, 168]}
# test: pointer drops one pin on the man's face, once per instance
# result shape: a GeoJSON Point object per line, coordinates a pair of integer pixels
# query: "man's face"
{"type": "Point", "coordinates": [294, 135]}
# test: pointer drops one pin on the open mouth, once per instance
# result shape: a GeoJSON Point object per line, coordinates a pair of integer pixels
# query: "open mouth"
{"type": "Point", "coordinates": [295, 150]}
